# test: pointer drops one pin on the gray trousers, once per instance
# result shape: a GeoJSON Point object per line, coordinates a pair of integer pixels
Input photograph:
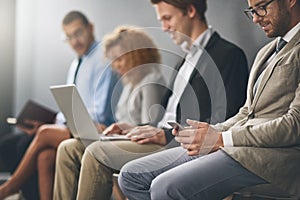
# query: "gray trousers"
{"type": "Point", "coordinates": [172, 174]}
{"type": "Point", "coordinates": [84, 168]}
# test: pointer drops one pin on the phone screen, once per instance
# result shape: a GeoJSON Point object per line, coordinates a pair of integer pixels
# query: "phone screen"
{"type": "Point", "coordinates": [175, 125]}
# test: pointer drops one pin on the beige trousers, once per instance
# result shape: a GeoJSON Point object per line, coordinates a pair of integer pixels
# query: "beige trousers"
{"type": "Point", "coordinates": [84, 169]}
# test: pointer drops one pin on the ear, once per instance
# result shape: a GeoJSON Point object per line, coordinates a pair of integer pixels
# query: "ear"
{"type": "Point", "coordinates": [191, 11]}
{"type": "Point", "coordinates": [91, 27]}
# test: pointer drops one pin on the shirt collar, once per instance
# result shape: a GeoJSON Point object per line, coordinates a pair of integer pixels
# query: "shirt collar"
{"type": "Point", "coordinates": [200, 42]}
{"type": "Point", "coordinates": [289, 35]}
{"type": "Point", "coordinates": [91, 49]}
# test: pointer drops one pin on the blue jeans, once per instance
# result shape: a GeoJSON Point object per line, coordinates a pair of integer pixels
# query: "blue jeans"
{"type": "Point", "coordinates": [172, 174]}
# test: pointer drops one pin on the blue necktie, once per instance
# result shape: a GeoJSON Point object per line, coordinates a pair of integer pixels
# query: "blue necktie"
{"type": "Point", "coordinates": [280, 45]}
{"type": "Point", "coordinates": [77, 68]}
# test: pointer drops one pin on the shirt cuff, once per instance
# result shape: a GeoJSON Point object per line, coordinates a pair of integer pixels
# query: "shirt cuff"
{"type": "Point", "coordinates": [227, 139]}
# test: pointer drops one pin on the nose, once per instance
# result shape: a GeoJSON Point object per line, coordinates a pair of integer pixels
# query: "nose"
{"type": "Point", "coordinates": [256, 18]}
{"type": "Point", "coordinates": [73, 41]}
{"type": "Point", "coordinates": [165, 26]}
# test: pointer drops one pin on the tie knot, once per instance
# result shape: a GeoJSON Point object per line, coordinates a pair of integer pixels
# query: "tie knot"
{"type": "Point", "coordinates": [280, 45]}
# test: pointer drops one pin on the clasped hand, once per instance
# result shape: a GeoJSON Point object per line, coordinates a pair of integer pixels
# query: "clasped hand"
{"type": "Point", "coordinates": [198, 138]}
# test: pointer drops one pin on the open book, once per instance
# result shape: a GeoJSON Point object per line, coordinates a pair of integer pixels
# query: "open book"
{"type": "Point", "coordinates": [33, 111]}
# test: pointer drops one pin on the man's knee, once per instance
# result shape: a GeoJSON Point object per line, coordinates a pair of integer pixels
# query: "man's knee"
{"type": "Point", "coordinates": [69, 149]}
{"type": "Point", "coordinates": [99, 149]}
{"type": "Point", "coordinates": [123, 179]}
{"type": "Point", "coordinates": [160, 188]}
{"type": "Point", "coordinates": [88, 159]}
{"type": "Point", "coordinates": [128, 178]}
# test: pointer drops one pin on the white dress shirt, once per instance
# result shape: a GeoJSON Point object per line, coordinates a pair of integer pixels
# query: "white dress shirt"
{"type": "Point", "coordinates": [184, 74]}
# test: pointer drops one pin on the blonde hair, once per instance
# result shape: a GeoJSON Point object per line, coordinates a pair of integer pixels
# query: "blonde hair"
{"type": "Point", "coordinates": [136, 46]}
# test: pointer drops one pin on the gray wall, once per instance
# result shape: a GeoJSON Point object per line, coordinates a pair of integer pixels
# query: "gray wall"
{"type": "Point", "coordinates": [229, 19]}
{"type": "Point", "coordinates": [42, 59]}
{"type": "Point", "coordinates": [7, 20]}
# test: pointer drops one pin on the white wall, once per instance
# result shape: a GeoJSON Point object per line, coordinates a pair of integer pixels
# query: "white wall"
{"type": "Point", "coordinates": [7, 19]}
{"type": "Point", "coordinates": [42, 59]}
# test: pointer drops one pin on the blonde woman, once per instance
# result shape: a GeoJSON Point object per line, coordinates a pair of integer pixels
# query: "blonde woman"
{"type": "Point", "coordinates": [135, 57]}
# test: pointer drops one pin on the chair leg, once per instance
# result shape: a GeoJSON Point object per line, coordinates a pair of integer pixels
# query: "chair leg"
{"type": "Point", "coordinates": [117, 193]}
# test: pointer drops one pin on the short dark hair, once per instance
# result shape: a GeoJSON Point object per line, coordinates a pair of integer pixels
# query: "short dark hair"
{"type": "Point", "coordinates": [200, 5]}
{"type": "Point", "coordinates": [74, 15]}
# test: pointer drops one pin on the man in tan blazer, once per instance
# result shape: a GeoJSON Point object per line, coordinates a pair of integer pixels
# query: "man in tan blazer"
{"type": "Point", "coordinates": [260, 144]}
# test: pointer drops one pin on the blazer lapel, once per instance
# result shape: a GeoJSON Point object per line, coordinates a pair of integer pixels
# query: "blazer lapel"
{"type": "Point", "coordinates": [197, 69]}
{"type": "Point", "coordinates": [265, 77]}
{"type": "Point", "coordinates": [294, 41]}
{"type": "Point", "coordinates": [260, 63]}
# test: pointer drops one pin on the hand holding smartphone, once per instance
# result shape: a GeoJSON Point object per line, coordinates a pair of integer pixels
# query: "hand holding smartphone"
{"type": "Point", "coordinates": [175, 125]}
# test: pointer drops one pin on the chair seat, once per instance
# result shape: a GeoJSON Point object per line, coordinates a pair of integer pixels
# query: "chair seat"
{"type": "Point", "coordinates": [264, 191]}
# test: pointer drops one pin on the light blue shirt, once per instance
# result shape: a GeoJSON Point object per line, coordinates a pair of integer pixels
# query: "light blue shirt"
{"type": "Point", "coordinates": [95, 82]}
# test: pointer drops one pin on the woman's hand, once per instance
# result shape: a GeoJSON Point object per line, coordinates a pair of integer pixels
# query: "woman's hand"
{"type": "Point", "coordinates": [147, 134]}
{"type": "Point", "coordinates": [100, 127]}
{"type": "Point", "coordinates": [118, 128]}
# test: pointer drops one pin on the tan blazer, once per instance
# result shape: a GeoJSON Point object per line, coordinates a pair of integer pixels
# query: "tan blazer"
{"type": "Point", "coordinates": [266, 131]}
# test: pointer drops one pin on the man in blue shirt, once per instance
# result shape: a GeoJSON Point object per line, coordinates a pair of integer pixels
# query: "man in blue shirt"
{"type": "Point", "coordinates": [95, 83]}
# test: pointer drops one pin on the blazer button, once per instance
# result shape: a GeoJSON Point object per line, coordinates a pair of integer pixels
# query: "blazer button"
{"type": "Point", "coordinates": [251, 116]}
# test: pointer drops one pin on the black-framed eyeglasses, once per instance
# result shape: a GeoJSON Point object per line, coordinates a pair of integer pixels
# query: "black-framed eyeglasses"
{"type": "Point", "coordinates": [260, 11]}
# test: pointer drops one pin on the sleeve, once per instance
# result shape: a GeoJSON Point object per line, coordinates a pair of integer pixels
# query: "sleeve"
{"type": "Point", "coordinates": [282, 131]}
{"type": "Point", "coordinates": [227, 138]}
{"type": "Point", "coordinates": [225, 126]}
{"type": "Point", "coordinates": [60, 118]}
{"type": "Point", "coordinates": [151, 104]}
{"type": "Point", "coordinates": [168, 134]}
{"type": "Point", "coordinates": [235, 76]}
{"type": "Point", "coordinates": [103, 95]}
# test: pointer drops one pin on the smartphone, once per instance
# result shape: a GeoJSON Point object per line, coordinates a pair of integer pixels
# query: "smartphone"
{"type": "Point", "coordinates": [175, 125]}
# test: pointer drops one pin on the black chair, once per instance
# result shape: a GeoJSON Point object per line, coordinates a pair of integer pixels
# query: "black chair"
{"type": "Point", "coordinates": [262, 192]}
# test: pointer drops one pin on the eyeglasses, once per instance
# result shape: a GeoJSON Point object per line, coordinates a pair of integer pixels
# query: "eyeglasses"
{"type": "Point", "coordinates": [77, 35]}
{"type": "Point", "coordinates": [260, 11]}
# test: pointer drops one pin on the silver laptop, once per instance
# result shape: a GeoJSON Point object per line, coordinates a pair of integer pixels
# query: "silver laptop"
{"type": "Point", "coordinates": [78, 119]}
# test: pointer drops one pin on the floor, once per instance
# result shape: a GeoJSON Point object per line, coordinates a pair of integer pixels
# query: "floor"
{"type": "Point", "coordinates": [14, 197]}
{"type": "Point", "coordinates": [3, 177]}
